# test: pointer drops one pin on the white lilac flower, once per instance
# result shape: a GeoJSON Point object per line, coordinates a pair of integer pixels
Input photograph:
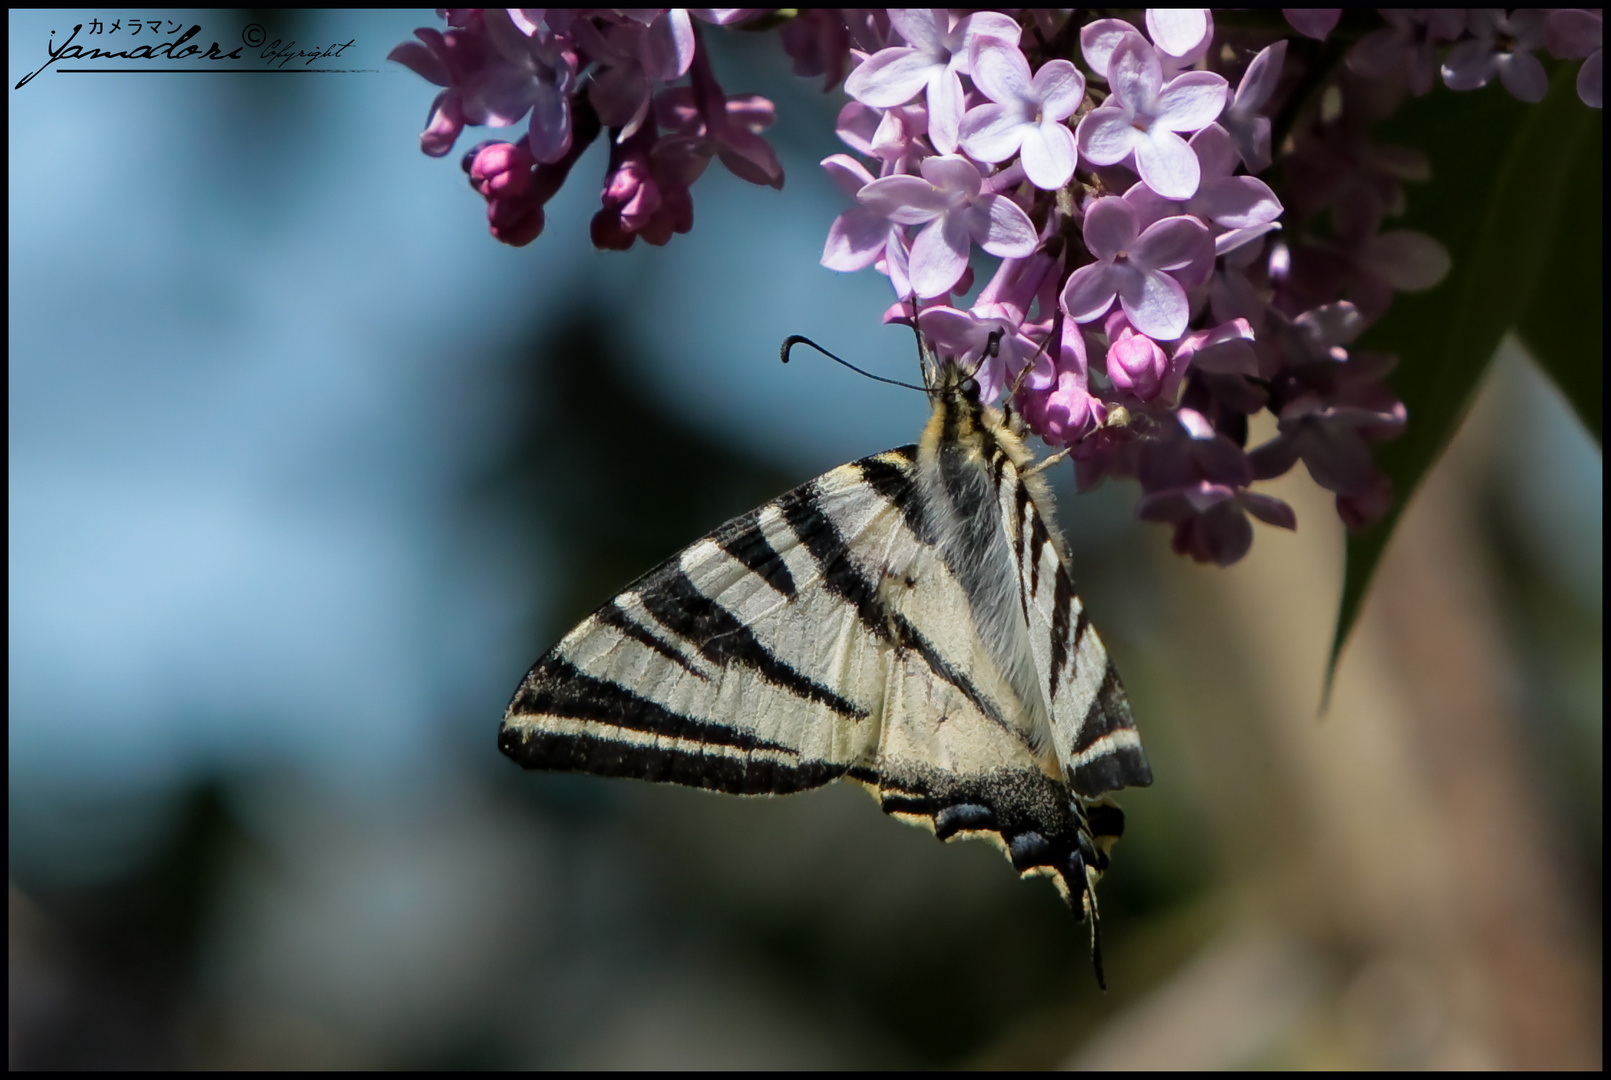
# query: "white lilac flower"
{"type": "Point", "coordinates": [1144, 116]}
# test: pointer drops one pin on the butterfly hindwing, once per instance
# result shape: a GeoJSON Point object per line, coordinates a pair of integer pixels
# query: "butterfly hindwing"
{"type": "Point", "coordinates": [1092, 729]}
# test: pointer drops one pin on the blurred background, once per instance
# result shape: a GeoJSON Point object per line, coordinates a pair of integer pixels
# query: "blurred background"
{"type": "Point", "coordinates": [305, 470]}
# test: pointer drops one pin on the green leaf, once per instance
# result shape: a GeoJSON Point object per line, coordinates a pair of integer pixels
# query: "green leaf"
{"type": "Point", "coordinates": [1564, 326]}
{"type": "Point", "coordinates": [1506, 200]}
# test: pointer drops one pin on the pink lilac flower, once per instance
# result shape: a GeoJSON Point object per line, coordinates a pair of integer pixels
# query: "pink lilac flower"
{"type": "Point", "coordinates": [1500, 44]}
{"type": "Point", "coordinates": [632, 57]}
{"type": "Point", "coordinates": [1224, 385]}
{"type": "Point", "coordinates": [1574, 32]}
{"type": "Point", "coordinates": [1197, 480]}
{"type": "Point", "coordinates": [948, 200]}
{"type": "Point", "coordinates": [1407, 45]}
{"type": "Point", "coordinates": [1136, 365]}
{"type": "Point", "coordinates": [1317, 23]}
{"type": "Point", "coordinates": [1135, 266]}
{"type": "Point", "coordinates": [1244, 117]}
{"type": "Point", "coordinates": [991, 349]}
{"type": "Point", "coordinates": [1025, 113]}
{"type": "Point", "coordinates": [1210, 519]}
{"type": "Point", "coordinates": [646, 194]}
{"type": "Point", "coordinates": [503, 174]}
{"type": "Point", "coordinates": [1016, 285]}
{"type": "Point", "coordinates": [1242, 208]}
{"type": "Point", "coordinates": [1064, 411]}
{"type": "Point", "coordinates": [935, 55]}
{"type": "Point", "coordinates": [1330, 404]}
{"type": "Point", "coordinates": [1143, 117]}
{"type": "Point", "coordinates": [858, 236]}
{"type": "Point", "coordinates": [710, 122]}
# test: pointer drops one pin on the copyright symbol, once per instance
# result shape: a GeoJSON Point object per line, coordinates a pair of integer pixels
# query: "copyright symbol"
{"type": "Point", "coordinates": [253, 35]}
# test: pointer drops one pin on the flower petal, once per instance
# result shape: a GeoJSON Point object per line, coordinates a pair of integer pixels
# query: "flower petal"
{"type": "Point", "coordinates": [1110, 226]}
{"type": "Point", "coordinates": [923, 28]}
{"type": "Point", "coordinates": [1048, 154]}
{"type": "Point", "coordinates": [1090, 291]}
{"type": "Point", "coordinates": [939, 255]}
{"type": "Point", "coordinates": [1155, 304]}
{"type": "Point", "coordinates": [847, 174]}
{"type": "Point", "coordinates": [1180, 32]}
{"type": "Point", "coordinates": [1001, 227]}
{"type": "Point", "coordinates": [953, 175]}
{"type": "Point", "coordinates": [1407, 260]}
{"type": "Point", "coordinates": [1166, 163]}
{"type": "Point", "coordinates": [1000, 71]}
{"type": "Point", "coordinates": [1191, 101]}
{"type": "Point", "coordinates": [909, 200]}
{"type": "Point", "coordinates": [1059, 86]}
{"type": "Point", "coordinates": [890, 77]}
{"type": "Point", "coordinates": [1106, 136]}
{"type": "Point", "coordinates": [1136, 74]}
{"type": "Point", "coordinates": [991, 132]}
{"type": "Point", "coordinates": [1099, 39]}
{"type": "Point", "coordinates": [1524, 77]}
{"type": "Point", "coordinates": [946, 104]}
{"type": "Point", "coordinates": [855, 240]}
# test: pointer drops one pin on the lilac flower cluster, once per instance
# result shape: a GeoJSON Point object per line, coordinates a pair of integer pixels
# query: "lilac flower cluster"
{"type": "Point", "coordinates": [1152, 293]}
{"type": "Point", "coordinates": [576, 71]}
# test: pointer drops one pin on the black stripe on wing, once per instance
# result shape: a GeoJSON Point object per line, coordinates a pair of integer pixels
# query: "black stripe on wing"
{"type": "Point", "coordinates": [556, 687]}
{"type": "Point", "coordinates": [743, 540]}
{"type": "Point", "coordinates": [677, 604]}
{"type": "Point", "coordinates": [1125, 763]}
{"type": "Point", "coordinates": [843, 577]}
{"type": "Point", "coordinates": [612, 616]}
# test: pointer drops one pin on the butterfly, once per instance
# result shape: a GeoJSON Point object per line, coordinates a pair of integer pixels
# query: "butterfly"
{"type": "Point", "coordinates": [906, 622]}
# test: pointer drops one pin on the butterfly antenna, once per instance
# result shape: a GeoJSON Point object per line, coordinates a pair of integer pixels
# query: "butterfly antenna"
{"type": "Point", "coordinates": [796, 339]}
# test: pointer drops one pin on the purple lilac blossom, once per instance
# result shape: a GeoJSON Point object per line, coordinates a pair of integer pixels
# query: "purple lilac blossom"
{"type": "Point", "coordinates": [1500, 45]}
{"type": "Point", "coordinates": [1025, 114]}
{"type": "Point", "coordinates": [967, 131]}
{"type": "Point", "coordinates": [931, 61]}
{"type": "Point", "coordinates": [1134, 266]}
{"type": "Point", "coordinates": [1144, 116]}
{"type": "Point", "coordinates": [1244, 114]}
{"type": "Point", "coordinates": [949, 201]}
{"type": "Point", "coordinates": [1407, 46]}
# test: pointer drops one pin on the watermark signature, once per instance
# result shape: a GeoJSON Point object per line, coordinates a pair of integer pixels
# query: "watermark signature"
{"type": "Point", "coordinates": [182, 44]}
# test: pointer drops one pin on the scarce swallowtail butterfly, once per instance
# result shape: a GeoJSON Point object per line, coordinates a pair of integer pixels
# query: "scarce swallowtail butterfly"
{"type": "Point", "coordinates": [906, 621]}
